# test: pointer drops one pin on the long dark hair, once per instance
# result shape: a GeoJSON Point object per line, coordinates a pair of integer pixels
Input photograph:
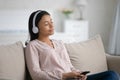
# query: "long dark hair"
{"type": "Point", "coordinates": [30, 23]}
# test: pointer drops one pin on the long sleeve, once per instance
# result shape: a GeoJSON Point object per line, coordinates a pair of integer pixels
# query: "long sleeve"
{"type": "Point", "coordinates": [33, 64]}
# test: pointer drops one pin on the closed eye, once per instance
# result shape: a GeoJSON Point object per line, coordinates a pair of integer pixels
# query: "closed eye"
{"type": "Point", "coordinates": [46, 23]}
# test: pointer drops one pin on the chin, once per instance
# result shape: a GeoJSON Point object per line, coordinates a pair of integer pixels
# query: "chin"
{"type": "Point", "coordinates": [51, 33]}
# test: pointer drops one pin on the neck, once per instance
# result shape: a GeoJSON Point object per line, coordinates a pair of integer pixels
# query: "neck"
{"type": "Point", "coordinates": [44, 38]}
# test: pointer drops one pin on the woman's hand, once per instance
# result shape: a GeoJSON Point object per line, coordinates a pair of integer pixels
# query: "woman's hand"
{"type": "Point", "coordinates": [75, 75]}
{"type": "Point", "coordinates": [83, 77]}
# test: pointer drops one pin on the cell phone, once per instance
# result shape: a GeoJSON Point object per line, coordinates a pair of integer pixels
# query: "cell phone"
{"type": "Point", "coordinates": [85, 72]}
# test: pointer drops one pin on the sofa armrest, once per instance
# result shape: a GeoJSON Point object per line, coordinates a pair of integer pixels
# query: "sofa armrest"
{"type": "Point", "coordinates": [113, 62]}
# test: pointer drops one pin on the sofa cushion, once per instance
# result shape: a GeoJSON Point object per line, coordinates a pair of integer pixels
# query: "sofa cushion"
{"type": "Point", "coordinates": [12, 64]}
{"type": "Point", "coordinates": [88, 55]}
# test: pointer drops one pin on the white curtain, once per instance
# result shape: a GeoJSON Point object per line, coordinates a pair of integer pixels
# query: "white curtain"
{"type": "Point", "coordinates": [114, 43]}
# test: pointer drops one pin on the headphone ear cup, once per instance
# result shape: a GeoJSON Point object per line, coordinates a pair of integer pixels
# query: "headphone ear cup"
{"type": "Point", "coordinates": [35, 29]}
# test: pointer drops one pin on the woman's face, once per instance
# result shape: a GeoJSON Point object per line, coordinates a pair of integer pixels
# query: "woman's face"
{"type": "Point", "coordinates": [45, 26]}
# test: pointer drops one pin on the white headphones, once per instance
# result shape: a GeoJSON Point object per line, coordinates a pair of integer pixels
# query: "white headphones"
{"type": "Point", "coordinates": [35, 28]}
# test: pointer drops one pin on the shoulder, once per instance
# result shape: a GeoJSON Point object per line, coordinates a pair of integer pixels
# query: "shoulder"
{"type": "Point", "coordinates": [57, 41]}
{"type": "Point", "coordinates": [32, 43]}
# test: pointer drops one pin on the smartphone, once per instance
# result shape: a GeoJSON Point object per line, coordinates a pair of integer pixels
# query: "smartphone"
{"type": "Point", "coordinates": [85, 72]}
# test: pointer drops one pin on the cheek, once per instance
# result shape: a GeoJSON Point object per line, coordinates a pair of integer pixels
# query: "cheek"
{"type": "Point", "coordinates": [41, 27]}
{"type": "Point", "coordinates": [44, 28]}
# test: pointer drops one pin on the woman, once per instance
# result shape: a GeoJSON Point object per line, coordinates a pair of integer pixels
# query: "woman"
{"type": "Point", "coordinates": [47, 59]}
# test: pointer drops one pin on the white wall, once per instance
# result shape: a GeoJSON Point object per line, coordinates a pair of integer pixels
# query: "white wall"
{"type": "Point", "coordinates": [99, 13]}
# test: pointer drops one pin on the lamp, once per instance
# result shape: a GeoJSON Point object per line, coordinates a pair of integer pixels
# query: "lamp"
{"type": "Point", "coordinates": [81, 5]}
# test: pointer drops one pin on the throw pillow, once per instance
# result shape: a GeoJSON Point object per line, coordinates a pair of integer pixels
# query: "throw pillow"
{"type": "Point", "coordinates": [12, 64]}
{"type": "Point", "coordinates": [88, 55]}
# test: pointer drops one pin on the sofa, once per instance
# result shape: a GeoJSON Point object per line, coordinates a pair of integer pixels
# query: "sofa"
{"type": "Point", "coordinates": [86, 55]}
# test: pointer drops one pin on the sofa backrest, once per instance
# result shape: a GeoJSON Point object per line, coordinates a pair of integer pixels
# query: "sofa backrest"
{"type": "Point", "coordinates": [88, 55]}
{"type": "Point", "coordinates": [12, 62]}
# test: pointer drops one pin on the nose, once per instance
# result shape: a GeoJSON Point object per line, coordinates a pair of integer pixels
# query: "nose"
{"type": "Point", "coordinates": [51, 25]}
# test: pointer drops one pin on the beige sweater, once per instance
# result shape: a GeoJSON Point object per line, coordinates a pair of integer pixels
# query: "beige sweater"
{"type": "Point", "coordinates": [45, 62]}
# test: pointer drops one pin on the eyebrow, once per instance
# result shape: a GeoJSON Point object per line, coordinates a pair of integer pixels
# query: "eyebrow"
{"type": "Point", "coordinates": [48, 21]}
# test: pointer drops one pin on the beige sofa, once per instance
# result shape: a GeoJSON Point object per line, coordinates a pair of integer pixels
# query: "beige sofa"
{"type": "Point", "coordinates": [87, 55]}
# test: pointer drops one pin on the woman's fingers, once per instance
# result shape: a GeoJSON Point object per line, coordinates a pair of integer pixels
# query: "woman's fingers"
{"type": "Point", "coordinates": [83, 77]}
{"type": "Point", "coordinates": [75, 75]}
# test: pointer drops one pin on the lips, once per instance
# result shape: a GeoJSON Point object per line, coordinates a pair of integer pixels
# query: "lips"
{"type": "Point", "coordinates": [51, 30]}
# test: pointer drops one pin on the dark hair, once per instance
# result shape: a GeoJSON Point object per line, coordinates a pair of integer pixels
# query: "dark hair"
{"type": "Point", "coordinates": [30, 23]}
